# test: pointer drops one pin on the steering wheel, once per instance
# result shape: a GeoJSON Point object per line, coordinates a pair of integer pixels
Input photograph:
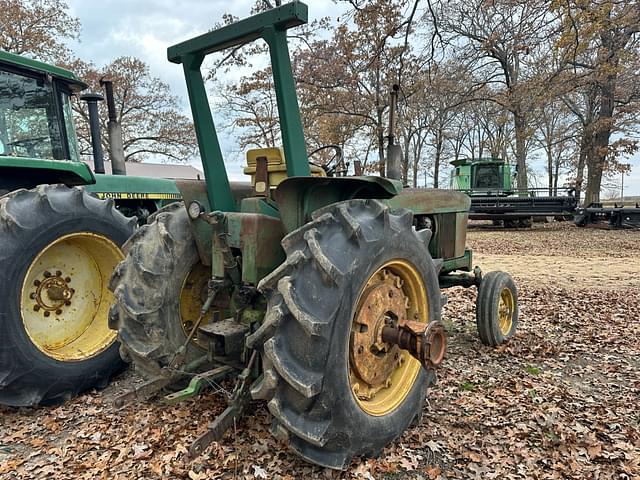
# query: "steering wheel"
{"type": "Point", "coordinates": [335, 166]}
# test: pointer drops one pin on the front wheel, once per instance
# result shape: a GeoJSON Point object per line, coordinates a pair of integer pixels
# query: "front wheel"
{"type": "Point", "coordinates": [497, 308]}
{"type": "Point", "coordinates": [335, 389]}
{"type": "Point", "coordinates": [59, 248]}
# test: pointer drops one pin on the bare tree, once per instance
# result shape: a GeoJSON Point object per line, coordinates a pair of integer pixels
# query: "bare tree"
{"type": "Point", "coordinates": [37, 28]}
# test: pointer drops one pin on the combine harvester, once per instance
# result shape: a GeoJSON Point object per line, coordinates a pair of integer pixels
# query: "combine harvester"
{"type": "Point", "coordinates": [61, 233]}
{"type": "Point", "coordinates": [489, 183]}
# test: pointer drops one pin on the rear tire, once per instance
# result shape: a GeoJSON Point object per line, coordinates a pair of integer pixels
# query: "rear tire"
{"type": "Point", "coordinates": [314, 297]}
{"type": "Point", "coordinates": [497, 308]}
{"type": "Point", "coordinates": [54, 238]}
{"type": "Point", "coordinates": [147, 286]}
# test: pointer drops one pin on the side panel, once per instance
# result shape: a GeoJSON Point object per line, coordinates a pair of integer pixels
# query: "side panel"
{"type": "Point", "coordinates": [120, 187]}
{"type": "Point", "coordinates": [20, 172]}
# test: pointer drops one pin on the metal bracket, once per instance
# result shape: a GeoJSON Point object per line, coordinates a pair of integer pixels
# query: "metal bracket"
{"type": "Point", "coordinates": [198, 383]}
{"type": "Point", "coordinates": [237, 404]}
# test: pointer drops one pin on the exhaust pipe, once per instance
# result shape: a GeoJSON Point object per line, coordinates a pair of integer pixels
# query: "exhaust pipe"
{"type": "Point", "coordinates": [116, 148]}
{"type": "Point", "coordinates": [394, 152]}
{"type": "Point", "coordinates": [92, 100]}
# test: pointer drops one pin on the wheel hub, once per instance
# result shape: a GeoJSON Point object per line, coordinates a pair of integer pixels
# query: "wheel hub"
{"type": "Point", "coordinates": [52, 293]}
{"type": "Point", "coordinates": [64, 299]}
{"type": "Point", "coordinates": [506, 308]}
{"type": "Point", "coordinates": [383, 304]}
{"type": "Point", "coordinates": [381, 374]}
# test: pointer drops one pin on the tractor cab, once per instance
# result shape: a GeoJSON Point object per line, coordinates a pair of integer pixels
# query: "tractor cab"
{"type": "Point", "coordinates": [35, 109]}
{"type": "Point", "coordinates": [36, 121]}
{"type": "Point", "coordinates": [481, 176]}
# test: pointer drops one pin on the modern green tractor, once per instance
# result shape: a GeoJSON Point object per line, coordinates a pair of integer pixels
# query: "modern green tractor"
{"type": "Point", "coordinates": [61, 234]}
{"type": "Point", "coordinates": [320, 295]}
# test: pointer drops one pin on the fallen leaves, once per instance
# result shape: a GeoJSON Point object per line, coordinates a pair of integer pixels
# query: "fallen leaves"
{"type": "Point", "coordinates": [559, 401]}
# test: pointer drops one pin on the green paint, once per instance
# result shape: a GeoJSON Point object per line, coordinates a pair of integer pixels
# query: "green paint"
{"type": "Point", "coordinates": [70, 171]}
{"type": "Point", "coordinates": [271, 26]}
{"type": "Point", "coordinates": [78, 173]}
{"type": "Point", "coordinates": [215, 173]}
{"type": "Point", "coordinates": [295, 151]}
{"type": "Point", "coordinates": [480, 175]}
{"type": "Point", "coordinates": [40, 67]}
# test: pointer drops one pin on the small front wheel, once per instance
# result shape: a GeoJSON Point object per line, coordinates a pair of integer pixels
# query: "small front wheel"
{"type": "Point", "coordinates": [497, 308]}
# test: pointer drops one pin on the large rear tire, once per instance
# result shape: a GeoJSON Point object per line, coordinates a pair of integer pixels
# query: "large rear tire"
{"type": "Point", "coordinates": [331, 398]}
{"type": "Point", "coordinates": [59, 248]}
{"type": "Point", "coordinates": [158, 290]}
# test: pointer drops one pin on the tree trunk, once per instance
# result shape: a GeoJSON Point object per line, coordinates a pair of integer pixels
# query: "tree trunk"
{"type": "Point", "coordinates": [436, 165]}
{"type": "Point", "coordinates": [598, 154]}
{"type": "Point", "coordinates": [549, 149]}
{"type": "Point", "coordinates": [520, 126]}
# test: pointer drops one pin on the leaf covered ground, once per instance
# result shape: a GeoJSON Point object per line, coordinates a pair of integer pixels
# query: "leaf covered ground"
{"type": "Point", "coordinates": [559, 401]}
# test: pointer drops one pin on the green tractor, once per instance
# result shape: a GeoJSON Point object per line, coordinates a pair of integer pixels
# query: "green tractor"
{"type": "Point", "coordinates": [61, 233]}
{"type": "Point", "coordinates": [320, 295]}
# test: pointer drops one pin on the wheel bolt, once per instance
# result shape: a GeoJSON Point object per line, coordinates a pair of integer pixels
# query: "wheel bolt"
{"type": "Point", "coordinates": [47, 313]}
{"type": "Point", "coordinates": [36, 308]}
{"type": "Point", "coordinates": [67, 302]}
{"type": "Point", "coordinates": [58, 312]}
{"type": "Point", "coordinates": [360, 349]}
{"type": "Point", "coordinates": [36, 283]}
{"type": "Point", "coordinates": [72, 291]}
{"type": "Point", "coordinates": [355, 388]}
{"type": "Point", "coordinates": [67, 279]}
{"type": "Point", "coordinates": [387, 384]}
{"type": "Point", "coordinates": [32, 295]}
{"type": "Point", "coordinates": [47, 274]}
{"type": "Point", "coordinates": [58, 273]}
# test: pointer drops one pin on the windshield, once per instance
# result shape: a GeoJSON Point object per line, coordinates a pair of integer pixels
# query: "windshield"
{"type": "Point", "coordinates": [29, 122]}
{"type": "Point", "coordinates": [488, 176]}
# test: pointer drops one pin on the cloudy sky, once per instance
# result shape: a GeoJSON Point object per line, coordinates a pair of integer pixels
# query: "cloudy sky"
{"type": "Point", "coordinates": [145, 28]}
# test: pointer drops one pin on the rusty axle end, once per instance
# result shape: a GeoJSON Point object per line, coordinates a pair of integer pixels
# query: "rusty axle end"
{"type": "Point", "coordinates": [427, 342]}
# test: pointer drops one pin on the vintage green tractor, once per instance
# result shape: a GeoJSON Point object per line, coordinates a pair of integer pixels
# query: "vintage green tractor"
{"type": "Point", "coordinates": [319, 294]}
{"type": "Point", "coordinates": [60, 241]}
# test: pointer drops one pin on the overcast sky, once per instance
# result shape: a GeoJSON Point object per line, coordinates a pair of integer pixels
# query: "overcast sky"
{"type": "Point", "coordinates": [145, 28]}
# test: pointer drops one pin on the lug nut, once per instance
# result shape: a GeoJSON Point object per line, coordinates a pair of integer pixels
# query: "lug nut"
{"type": "Point", "coordinates": [47, 274]}
{"type": "Point", "coordinates": [32, 295]}
{"type": "Point", "coordinates": [47, 313]}
{"type": "Point", "coordinates": [58, 273]}
{"type": "Point", "coordinates": [36, 283]}
{"type": "Point", "coordinates": [58, 312]}
{"type": "Point", "coordinates": [67, 279]}
{"type": "Point", "coordinates": [36, 308]}
{"type": "Point", "coordinates": [67, 302]}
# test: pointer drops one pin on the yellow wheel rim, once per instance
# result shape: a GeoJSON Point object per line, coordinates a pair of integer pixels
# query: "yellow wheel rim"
{"type": "Point", "coordinates": [506, 307]}
{"type": "Point", "coordinates": [381, 375]}
{"type": "Point", "coordinates": [192, 297]}
{"type": "Point", "coordinates": [65, 300]}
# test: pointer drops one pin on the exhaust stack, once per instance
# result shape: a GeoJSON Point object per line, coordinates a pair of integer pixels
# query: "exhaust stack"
{"type": "Point", "coordinates": [92, 100]}
{"type": "Point", "coordinates": [116, 147]}
{"type": "Point", "coordinates": [394, 152]}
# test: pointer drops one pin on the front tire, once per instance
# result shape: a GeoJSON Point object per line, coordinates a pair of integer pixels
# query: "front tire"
{"type": "Point", "coordinates": [497, 308]}
{"type": "Point", "coordinates": [59, 247]}
{"type": "Point", "coordinates": [353, 255]}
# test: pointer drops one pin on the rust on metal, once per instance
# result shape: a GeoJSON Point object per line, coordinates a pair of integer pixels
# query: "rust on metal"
{"type": "Point", "coordinates": [372, 358]}
{"type": "Point", "coordinates": [425, 342]}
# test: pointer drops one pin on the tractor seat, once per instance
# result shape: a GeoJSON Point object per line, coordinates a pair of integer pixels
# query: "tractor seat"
{"type": "Point", "coordinates": [276, 165]}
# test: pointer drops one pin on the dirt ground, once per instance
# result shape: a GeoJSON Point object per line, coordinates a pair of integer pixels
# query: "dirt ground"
{"type": "Point", "coordinates": [558, 401]}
